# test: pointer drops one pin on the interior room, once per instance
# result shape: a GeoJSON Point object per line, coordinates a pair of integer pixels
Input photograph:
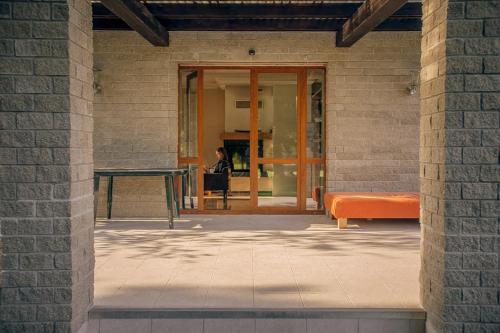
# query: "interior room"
{"type": "Point", "coordinates": [227, 122]}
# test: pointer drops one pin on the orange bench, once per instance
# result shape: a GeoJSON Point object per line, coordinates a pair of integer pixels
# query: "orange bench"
{"type": "Point", "coordinates": [368, 205]}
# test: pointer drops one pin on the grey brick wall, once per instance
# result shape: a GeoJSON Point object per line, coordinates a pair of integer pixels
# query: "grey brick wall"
{"type": "Point", "coordinates": [459, 166]}
{"type": "Point", "coordinates": [46, 239]}
{"type": "Point", "coordinates": [372, 121]}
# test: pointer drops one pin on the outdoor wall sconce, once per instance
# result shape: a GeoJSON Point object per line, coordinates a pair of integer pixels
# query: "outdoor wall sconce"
{"type": "Point", "coordinates": [414, 80]}
{"type": "Point", "coordinates": [97, 85]}
{"type": "Point", "coordinates": [251, 52]}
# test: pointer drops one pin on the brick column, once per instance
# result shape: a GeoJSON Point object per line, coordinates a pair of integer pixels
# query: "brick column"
{"type": "Point", "coordinates": [46, 167]}
{"type": "Point", "coordinates": [459, 165]}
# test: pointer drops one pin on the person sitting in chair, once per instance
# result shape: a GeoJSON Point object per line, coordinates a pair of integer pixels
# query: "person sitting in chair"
{"type": "Point", "coordinates": [222, 165]}
{"type": "Point", "coordinates": [217, 177]}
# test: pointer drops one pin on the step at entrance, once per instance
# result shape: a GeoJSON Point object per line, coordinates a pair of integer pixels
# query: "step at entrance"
{"type": "Point", "coordinates": [107, 320]}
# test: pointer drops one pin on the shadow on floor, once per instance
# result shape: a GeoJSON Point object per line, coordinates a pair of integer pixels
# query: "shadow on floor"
{"type": "Point", "coordinates": [315, 233]}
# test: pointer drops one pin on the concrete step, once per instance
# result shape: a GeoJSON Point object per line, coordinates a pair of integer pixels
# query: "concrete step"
{"type": "Point", "coordinates": [117, 320]}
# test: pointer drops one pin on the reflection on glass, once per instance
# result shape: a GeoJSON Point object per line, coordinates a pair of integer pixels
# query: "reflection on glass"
{"type": "Point", "coordinates": [315, 112]}
{"type": "Point", "coordinates": [188, 190]}
{"type": "Point", "coordinates": [277, 185]}
{"type": "Point", "coordinates": [315, 186]}
{"type": "Point", "coordinates": [278, 114]}
{"type": "Point", "coordinates": [188, 135]}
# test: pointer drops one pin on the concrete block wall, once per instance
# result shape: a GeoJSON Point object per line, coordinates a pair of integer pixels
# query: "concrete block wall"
{"type": "Point", "coordinates": [46, 234]}
{"type": "Point", "coordinates": [372, 121]}
{"type": "Point", "coordinates": [80, 122]}
{"type": "Point", "coordinates": [459, 168]}
{"type": "Point", "coordinates": [432, 158]}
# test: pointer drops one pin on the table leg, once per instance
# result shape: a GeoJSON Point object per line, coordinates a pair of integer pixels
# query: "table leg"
{"type": "Point", "coordinates": [96, 196]}
{"type": "Point", "coordinates": [175, 196]}
{"type": "Point", "coordinates": [110, 196]}
{"type": "Point", "coordinates": [183, 191]}
{"type": "Point", "coordinates": [225, 199]}
{"type": "Point", "coordinates": [173, 202]}
{"type": "Point", "coordinates": [170, 205]}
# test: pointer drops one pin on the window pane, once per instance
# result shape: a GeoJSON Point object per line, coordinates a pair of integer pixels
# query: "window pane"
{"type": "Point", "coordinates": [188, 190]}
{"type": "Point", "coordinates": [277, 185]}
{"type": "Point", "coordinates": [315, 112]}
{"type": "Point", "coordinates": [315, 186]}
{"type": "Point", "coordinates": [278, 114]}
{"type": "Point", "coordinates": [188, 132]}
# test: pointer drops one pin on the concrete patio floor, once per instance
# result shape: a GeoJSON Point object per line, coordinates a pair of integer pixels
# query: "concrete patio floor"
{"type": "Point", "coordinates": [253, 262]}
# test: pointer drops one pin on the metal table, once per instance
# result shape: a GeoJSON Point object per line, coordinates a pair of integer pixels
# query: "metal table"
{"type": "Point", "coordinates": [168, 173]}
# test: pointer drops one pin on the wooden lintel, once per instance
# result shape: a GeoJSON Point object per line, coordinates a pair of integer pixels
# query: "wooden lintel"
{"type": "Point", "coordinates": [258, 17]}
{"type": "Point", "coordinates": [139, 18]}
{"type": "Point", "coordinates": [366, 18]}
{"type": "Point", "coordinates": [202, 11]}
{"type": "Point", "coordinates": [391, 24]}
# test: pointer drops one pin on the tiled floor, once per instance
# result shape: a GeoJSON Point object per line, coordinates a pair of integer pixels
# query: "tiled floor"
{"type": "Point", "coordinates": [245, 325]}
{"type": "Point", "coordinates": [256, 262]}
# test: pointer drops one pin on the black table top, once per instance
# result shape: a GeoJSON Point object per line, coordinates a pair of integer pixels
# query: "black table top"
{"type": "Point", "coordinates": [140, 172]}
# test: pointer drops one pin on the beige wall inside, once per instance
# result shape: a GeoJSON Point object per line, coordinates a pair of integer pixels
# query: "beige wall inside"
{"type": "Point", "coordinates": [237, 119]}
{"type": "Point", "coordinates": [372, 122]}
{"type": "Point", "coordinates": [213, 123]}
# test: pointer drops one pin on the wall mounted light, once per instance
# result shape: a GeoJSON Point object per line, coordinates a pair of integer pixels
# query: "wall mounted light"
{"type": "Point", "coordinates": [414, 81]}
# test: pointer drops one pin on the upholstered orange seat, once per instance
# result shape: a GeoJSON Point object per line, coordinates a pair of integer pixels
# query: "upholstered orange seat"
{"type": "Point", "coordinates": [388, 205]}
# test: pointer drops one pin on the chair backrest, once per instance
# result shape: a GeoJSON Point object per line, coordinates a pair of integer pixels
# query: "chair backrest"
{"type": "Point", "coordinates": [216, 181]}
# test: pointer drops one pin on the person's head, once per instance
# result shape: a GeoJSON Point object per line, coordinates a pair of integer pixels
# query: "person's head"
{"type": "Point", "coordinates": [221, 153]}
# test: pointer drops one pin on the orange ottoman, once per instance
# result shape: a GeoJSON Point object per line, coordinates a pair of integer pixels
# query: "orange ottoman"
{"type": "Point", "coordinates": [388, 205]}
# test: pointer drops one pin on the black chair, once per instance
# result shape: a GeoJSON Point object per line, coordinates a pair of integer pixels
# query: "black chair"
{"type": "Point", "coordinates": [217, 182]}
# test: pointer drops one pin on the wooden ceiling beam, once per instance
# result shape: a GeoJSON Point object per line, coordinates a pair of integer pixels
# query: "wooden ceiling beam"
{"type": "Point", "coordinates": [366, 18]}
{"type": "Point", "coordinates": [242, 11]}
{"type": "Point", "coordinates": [391, 24]}
{"type": "Point", "coordinates": [250, 11]}
{"type": "Point", "coordinates": [139, 18]}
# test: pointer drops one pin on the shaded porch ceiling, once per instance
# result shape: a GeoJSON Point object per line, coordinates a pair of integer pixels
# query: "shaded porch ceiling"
{"type": "Point", "coordinates": [227, 15]}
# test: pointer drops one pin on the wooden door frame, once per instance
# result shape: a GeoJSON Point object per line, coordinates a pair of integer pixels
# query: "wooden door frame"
{"type": "Point", "coordinates": [301, 161]}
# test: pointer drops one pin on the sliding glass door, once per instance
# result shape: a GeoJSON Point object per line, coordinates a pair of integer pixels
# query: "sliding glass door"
{"type": "Point", "coordinates": [270, 120]}
{"type": "Point", "coordinates": [277, 127]}
{"type": "Point", "coordinates": [190, 135]}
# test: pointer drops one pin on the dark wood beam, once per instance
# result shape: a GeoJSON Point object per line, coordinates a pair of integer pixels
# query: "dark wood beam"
{"type": "Point", "coordinates": [235, 11]}
{"type": "Point", "coordinates": [167, 11]}
{"type": "Point", "coordinates": [139, 18]}
{"type": "Point", "coordinates": [258, 17]}
{"type": "Point", "coordinates": [392, 24]}
{"type": "Point", "coordinates": [368, 16]}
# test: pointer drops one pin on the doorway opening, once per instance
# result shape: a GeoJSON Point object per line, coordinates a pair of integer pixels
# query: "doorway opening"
{"type": "Point", "coordinates": [271, 122]}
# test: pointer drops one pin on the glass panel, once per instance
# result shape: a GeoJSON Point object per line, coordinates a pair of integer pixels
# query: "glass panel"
{"type": "Point", "coordinates": [188, 131]}
{"type": "Point", "coordinates": [315, 112]}
{"type": "Point", "coordinates": [315, 186]}
{"type": "Point", "coordinates": [277, 185]}
{"type": "Point", "coordinates": [278, 114]}
{"type": "Point", "coordinates": [226, 109]}
{"type": "Point", "coordinates": [189, 187]}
